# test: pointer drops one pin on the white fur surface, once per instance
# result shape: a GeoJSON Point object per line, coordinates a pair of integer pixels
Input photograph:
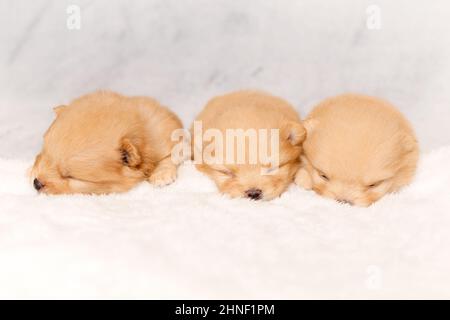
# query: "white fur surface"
{"type": "Point", "coordinates": [187, 241]}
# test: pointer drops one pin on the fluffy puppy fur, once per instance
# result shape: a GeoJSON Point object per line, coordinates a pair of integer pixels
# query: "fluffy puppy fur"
{"type": "Point", "coordinates": [358, 149]}
{"type": "Point", "coordinates": [105, 142]}
{"type": "Point", "coordinates": [253, 110]}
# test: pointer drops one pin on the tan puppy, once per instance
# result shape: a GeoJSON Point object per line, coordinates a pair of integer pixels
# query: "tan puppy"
{"type": "Point", "coordinates": [358, 149]}
{"type": "Point", "coordinates": [252, 110]}
{"type": "Point", "coordinates": [104, 142]}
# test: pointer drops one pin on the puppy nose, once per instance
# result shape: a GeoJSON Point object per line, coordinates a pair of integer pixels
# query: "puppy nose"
{"type": "Point", "coordinates": [254, 193]}
{"type": "Point", "coordinates": [344, 201]}
{"type": "Point", "coordinates": [37, 184]}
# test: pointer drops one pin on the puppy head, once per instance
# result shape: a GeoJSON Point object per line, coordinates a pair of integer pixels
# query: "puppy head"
{"type": "Point", "coordinates": [357, 157]}
{"type": "Point", "coordinates": [261, 180]}
{"type": "Point", "coordinates": [88, 150]}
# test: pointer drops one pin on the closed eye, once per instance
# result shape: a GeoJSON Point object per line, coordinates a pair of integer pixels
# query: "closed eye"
{"type": "Point", "coordinates": [375, 184]}
{"type": "Point", "coordinates": [69, 177]}
{"type": "Point", "coordinates": [274, 168]}
{"type": "Point", "coordinates": [271, 169]}
{"type": "Point", "coordinates": [323, 176]}
{"type": "Point", "coordinates": [226, 172]}
{"type": "Point", "coordinates": [65, 175]}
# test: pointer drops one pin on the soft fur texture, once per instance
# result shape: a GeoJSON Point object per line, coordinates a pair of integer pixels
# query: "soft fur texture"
{"type": "Point", "coordinates": [253, 110]}
{"type": "Point", "coordinates": [105, 142]}
{"type": "Point", "coordinates": [358, 149]}
{"type": "Point", "coordinates": [187, 241]}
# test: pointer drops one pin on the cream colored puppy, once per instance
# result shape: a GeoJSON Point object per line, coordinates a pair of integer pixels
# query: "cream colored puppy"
{"type": "Point", "coordinates": [105, 142]}
{"type": "Point", "coordinates": [252, 111]}
{"type": "Point", "coordinates": [358, 149]}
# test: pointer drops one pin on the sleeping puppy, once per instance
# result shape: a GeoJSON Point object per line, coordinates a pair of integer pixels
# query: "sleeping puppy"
{"type": "Point", "coordinates": [105, 142]}
{"type": "Point", "coordinates": [248, 111]}
{"type": "Point", "coordinates": [358, 149]}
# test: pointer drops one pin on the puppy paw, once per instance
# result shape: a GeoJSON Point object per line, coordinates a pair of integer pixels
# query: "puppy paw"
{"type": "Point", "coordinates": [303, 179]}
{"type": "Point", "coordinates": [164, 176]}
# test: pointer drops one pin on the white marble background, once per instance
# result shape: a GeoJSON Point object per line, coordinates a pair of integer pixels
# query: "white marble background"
{"type": "Point", "coordinates": [184, 52]}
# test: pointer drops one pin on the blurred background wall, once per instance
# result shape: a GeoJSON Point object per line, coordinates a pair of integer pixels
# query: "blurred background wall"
{"type": "Point", "coordinates": [184, 52]}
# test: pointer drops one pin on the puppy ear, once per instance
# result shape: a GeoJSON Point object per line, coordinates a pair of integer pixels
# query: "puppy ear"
{"type": "Point", "coordinates": [129, 153]}
{"type": "Point", "coordinates": [295, 133]}
{"type": "Point", "coordinates": [59, 109]}
{"type": "Point", "coordinates": [310, 125]}
{"type": "Point", "coordinates": [409, 143]}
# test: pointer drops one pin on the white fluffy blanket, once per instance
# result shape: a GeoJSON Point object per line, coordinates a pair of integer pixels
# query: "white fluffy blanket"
{"type": "Point", "coordinates": [187, 241]}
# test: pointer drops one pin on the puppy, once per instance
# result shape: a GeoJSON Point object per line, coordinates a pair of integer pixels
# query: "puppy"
{"type": "Point", "coordinates": [244, 113]}
{"type": "Point", "coordinates": [358, 149]}
{"type": "Point", "coordinates": [105, 142]}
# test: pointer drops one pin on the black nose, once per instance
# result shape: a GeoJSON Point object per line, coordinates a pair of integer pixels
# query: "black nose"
{"type": "Point", "coordinates": [254, 194]}
{"type": "Point", "coordinates": [344, 201]}
{"type": "Point", "coordinates": [37, 184]}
